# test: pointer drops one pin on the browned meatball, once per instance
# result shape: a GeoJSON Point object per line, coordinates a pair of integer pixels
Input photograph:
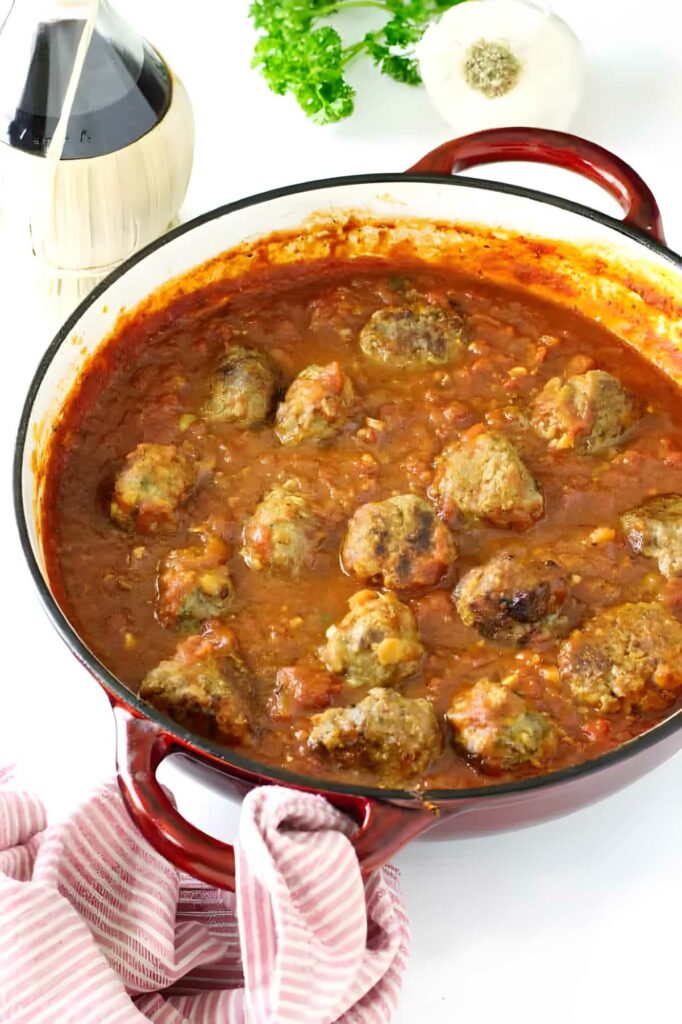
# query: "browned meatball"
{"type": "Point", "coordinates": [499, 728]}
{"type": "Point", "coordinates": [628, 656]}
{"type": "Point", "coordinates": [655, 530]}
{"type": "Point", "coordinates": [414, 335]}
{"type": "Point", "coordinates": [517, 599]}
{"type": "Point", "coordinates": [482, 476]}
{"type": "Point", "coordinates": [399, 542]}
{"type": "Point", "coordinates": [300, 689]}
{"type": "Point", "coordinates": [155, 481]}
{"type": "Point", "coordinates": [588, 412]}
{"type": "Point", "coordinates": [376, 643]}
{"type": "Point", "coordinates": [193, 585]}
{"type": "Point", "coordinates": [394, 736]}
{"type": "Point", "coordinates": [338, 311]}
{"type": "Point", "coordinates": [283, 534]}
{"type": "Point", "coordinates": [204, 686]}
{"type": "Point", "coordinates": [242, 388]}
{"type": "Point", "coordinates": [316, 406]}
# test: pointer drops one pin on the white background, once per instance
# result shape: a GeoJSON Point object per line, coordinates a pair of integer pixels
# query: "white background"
{"type": "Point", "coordinates": [576, 920]}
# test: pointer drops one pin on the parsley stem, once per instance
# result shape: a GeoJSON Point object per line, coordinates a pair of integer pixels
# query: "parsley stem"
{"type": "Point", "coordinates": [353, 51]}
{"type": "Point", "coordinates": [342, 5]}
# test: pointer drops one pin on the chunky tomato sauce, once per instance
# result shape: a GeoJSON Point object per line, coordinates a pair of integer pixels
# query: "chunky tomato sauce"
{"type": "Point", "coordinates": [149, 385]}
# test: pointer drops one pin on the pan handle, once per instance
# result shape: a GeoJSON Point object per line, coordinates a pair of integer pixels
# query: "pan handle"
{"type": "Point", "coordinates": [540, 145]}
{"type": "Point", "coordinates": [142, 745]}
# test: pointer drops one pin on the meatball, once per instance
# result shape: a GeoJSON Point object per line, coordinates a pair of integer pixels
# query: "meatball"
{"type": "Point", "coordinates": [482, 476]}
{"type": "Point", "coordinates": [193, 585]}
{"type": "Point", "coordinates": [155, 481]}
{"type": "Point", "coordinates": [316, 405]}
{"type": "Point", "coordinates": [414, 335]}
{"type": "Point", "coordinates": [300, 688]}
{"type": "Point", "coordinates": [204, 686]}
{"type": "Point", "coordinates": [495, 725]}
{"type": "Point", "coordinates": [626, 656]}
{"type": "Point", "coordinates": [242, 388]}
{"type": "Point", "coordinates": [399, 542]}
{"type": "Point", "coordinates": [338, 311]}
{"type": "Point", "coordinates": [394, 736]}
{"type": "Point", "coordinates": [587, 412]}
{"type": "Point", "coordinates": [283, 535]}
{"type": "Point", "coordinates": [376, 643]}
{"type": "Point", "coordinates": [655, 530]}
{"type": "Point", "coordinates": [517, 599]}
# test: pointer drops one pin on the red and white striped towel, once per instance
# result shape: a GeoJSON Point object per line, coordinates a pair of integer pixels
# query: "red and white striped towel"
{"type": "Point", "coordinates": [96, 928]}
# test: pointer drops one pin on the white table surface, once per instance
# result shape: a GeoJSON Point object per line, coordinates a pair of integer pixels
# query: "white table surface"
{"type": "Point", "coordinates": [575, 920]}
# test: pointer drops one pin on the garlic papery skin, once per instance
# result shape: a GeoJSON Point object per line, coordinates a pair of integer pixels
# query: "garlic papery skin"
{"type": "Point", "coordinates": [502, 63]}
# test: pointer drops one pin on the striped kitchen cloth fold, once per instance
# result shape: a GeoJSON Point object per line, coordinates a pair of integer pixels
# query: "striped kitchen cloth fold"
{"type": "Point", "coordinates": [97, 928]}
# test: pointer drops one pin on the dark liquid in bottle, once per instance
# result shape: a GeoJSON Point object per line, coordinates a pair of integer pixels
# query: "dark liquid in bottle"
{"type": "Point", "coordinates": [117, 100]}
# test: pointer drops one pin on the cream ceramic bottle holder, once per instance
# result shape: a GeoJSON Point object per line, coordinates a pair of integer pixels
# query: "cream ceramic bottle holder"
{"type": "Point", "coordinates": [96, 138]}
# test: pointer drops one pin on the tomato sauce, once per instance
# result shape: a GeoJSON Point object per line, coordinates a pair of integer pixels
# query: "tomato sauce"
{"type": "Point", "coordinates": [148, 386]}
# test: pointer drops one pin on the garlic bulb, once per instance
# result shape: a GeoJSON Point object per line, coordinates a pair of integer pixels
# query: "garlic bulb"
{"type": "Point", "coordinates": [498, 63]}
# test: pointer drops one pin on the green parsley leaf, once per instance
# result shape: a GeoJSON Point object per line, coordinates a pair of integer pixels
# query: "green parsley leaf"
{"type": "Point", "coordinates": [310, 66]}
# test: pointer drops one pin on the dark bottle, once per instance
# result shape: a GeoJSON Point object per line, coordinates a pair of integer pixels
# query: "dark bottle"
{"type": "Point", "coordinates": [96, 140]}
{"type": "Point", "coordinates": [123, 92]}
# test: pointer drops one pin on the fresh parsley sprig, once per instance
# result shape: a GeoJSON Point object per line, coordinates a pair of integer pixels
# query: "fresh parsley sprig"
{"type": "Point", "coordinates": [297, 55]}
